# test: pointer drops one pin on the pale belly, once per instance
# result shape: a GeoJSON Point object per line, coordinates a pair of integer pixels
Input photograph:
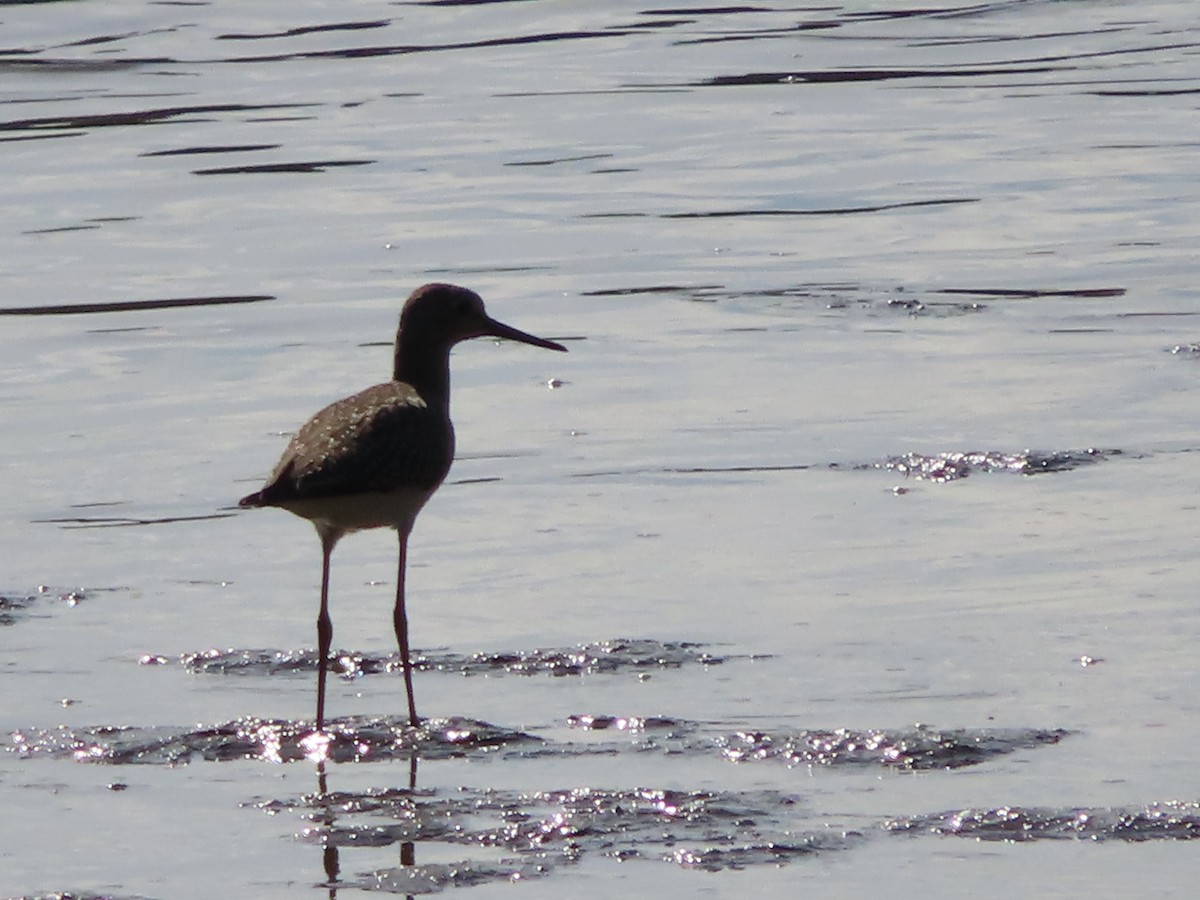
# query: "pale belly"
{"type": "Point", "coordinates": [355, 512]}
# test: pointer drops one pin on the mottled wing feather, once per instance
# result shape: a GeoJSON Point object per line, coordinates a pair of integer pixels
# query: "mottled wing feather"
{"type": "Point", "coordinates": [381, 439]}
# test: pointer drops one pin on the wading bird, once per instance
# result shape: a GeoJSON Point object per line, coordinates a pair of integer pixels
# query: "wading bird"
{"type": "Point", "coordinates": [372, 460]}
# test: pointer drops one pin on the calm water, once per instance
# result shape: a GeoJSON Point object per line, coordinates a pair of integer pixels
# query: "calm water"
{"type": "Point", "coordinates": [724, 612]}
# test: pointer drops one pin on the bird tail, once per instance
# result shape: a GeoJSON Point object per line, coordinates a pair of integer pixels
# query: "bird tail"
{"type": "Point", "coordinates": [270, 493]}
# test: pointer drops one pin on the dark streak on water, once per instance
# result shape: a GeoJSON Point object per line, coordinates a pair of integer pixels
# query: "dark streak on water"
{"type": "Point", "coordinates": [717, 470]}
{"type": "Point", "coordinates": [230, 148]}
{"type": "Point", "coordinates": [140, 117]}
{"type": "Point", "coordinates": [843, 211]}
{"type": "Point", "coordinates": [841, 76]}
{"type": "Point", "coordinates": [653, 289]}
{"type": "Point", "coordinates": [311, 29]}
{"type": "Point", "coordinates": [68, 309]}
{"type": "Point", "coordinates": [61, 230]}
{"type": "Point", "coordinates": [124, 522]}
{"type": "Point", "coordinates": [89, 225]}
{"type": "Point", "coordinates": [406, 49]}
{"type": "Point", "coordinates": [1031, 293]}
{"type": "Point", "coordinates": [587, 157]}
{"type": "Point", "coordinates": [270, 168]}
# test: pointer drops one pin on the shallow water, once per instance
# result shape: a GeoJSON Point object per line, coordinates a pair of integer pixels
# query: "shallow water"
{"type": "Point", "coordinates": [851, 545]}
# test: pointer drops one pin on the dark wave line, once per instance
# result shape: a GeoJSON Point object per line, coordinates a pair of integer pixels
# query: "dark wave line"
{"type": "Point", "coordinates": [404, 49]}
{"type": "Point", "coordinates": [67, 309]}
{"type": "Point", "coordinates": [302, 167]}
{"type": "Point", "coordinates": [139, 117]}
{"type": "Point", "coordinates": [848, 210]}
{"type": "Point", "coordinates": [826, 76]}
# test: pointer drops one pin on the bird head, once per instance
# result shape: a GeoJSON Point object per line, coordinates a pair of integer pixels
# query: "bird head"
{"type": "Point", "coordinates": [445, 314]}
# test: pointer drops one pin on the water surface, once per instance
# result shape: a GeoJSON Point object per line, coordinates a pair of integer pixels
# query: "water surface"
{"type": "Point", "coordinates": [852, 543]}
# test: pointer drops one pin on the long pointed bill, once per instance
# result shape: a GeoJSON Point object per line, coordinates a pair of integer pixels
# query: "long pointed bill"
{"type": "Point", "coordinates": [500, 330]}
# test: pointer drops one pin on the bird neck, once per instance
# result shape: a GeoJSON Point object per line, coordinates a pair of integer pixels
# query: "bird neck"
{"type": "Point", "coordinates": [425, 366]}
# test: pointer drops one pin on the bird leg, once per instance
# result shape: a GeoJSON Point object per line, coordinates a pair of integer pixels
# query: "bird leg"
{"type": "Point", "coordinates": [324, 630]}
{"type": "Point", "coordinates": [400, 621]}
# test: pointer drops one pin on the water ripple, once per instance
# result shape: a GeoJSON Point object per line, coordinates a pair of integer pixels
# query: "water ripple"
{"type": "Point", "coordinates": [617, 655]}
{"type": "Point", "coordinates": [16, 606]}
{"type": "Point", "coordinates": [380, 738]}
{"type": "Point", "coordinates": [539, 830]}
{"type": "Point", "coordinates": [955, 465]}
{"type": "Point", "coordinates": [353, 739]}
{"type": "Point", "coordinates": [1168, 820]}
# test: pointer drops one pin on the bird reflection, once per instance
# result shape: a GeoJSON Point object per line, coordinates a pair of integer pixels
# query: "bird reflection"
{"type": "Point", "coordinates": [329, 853]}
{"type": "Point", "coordinates": [330, 858]}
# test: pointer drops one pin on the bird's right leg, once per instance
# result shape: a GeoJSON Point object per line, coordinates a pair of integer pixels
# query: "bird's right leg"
{"type": "Point", "coordinates": [324, 630]}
